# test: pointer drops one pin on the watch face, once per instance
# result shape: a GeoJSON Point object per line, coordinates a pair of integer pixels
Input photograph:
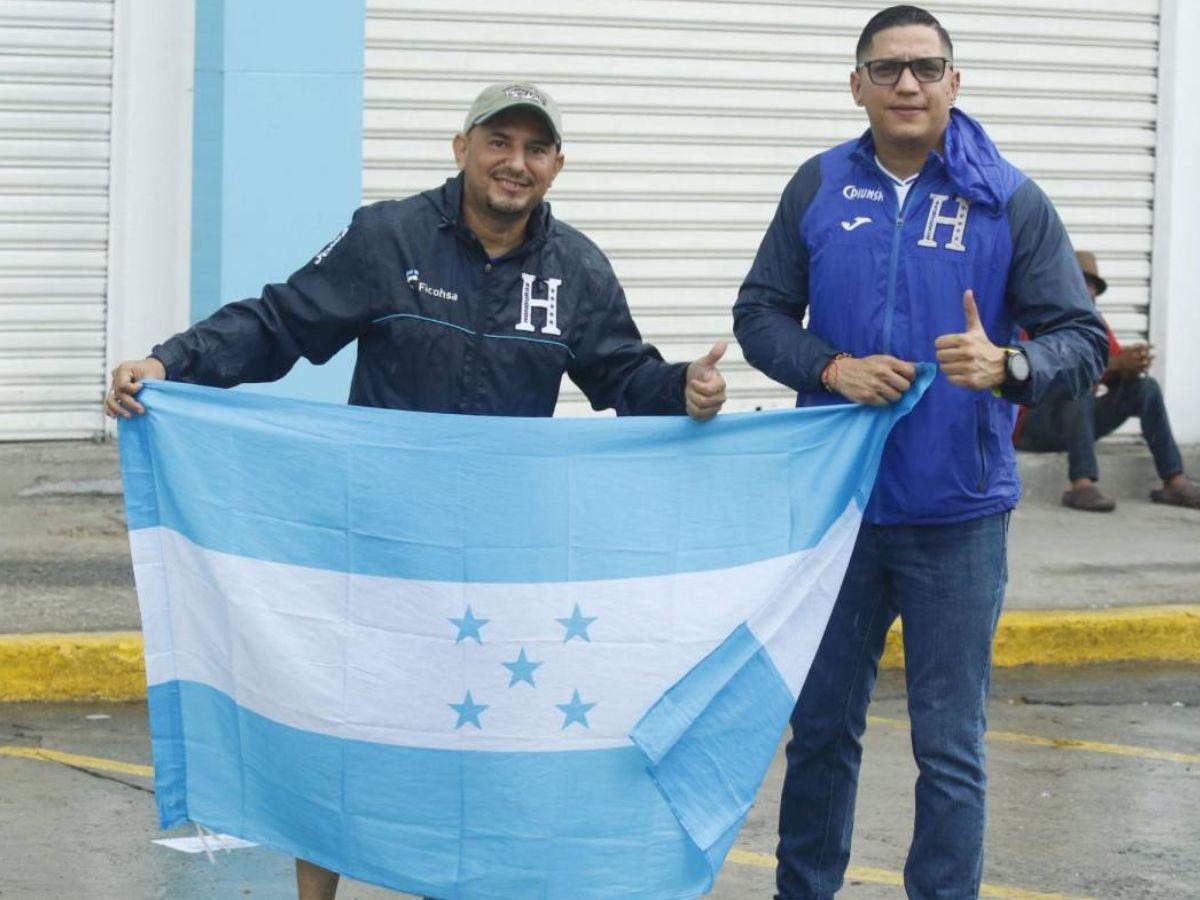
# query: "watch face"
{"type": "Point", "coordinates": [1018, 366]}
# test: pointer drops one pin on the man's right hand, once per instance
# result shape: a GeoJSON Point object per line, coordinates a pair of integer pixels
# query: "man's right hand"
{"type": "Point", "coordinates": [873, 380]}
{"type": "Point", "coordinates": [1134, 360]}
{"type": "Point", "coordinates": [127, 381]}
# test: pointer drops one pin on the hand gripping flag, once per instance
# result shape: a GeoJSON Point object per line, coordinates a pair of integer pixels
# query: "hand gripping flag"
{"type": "Point", "coordinates": [483, 657]}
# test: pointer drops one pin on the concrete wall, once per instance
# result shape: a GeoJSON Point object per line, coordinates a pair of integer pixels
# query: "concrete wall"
{"type": "Point", "coordinates": [1175, 297]}
{"type": "Point", "coordinates": [150, 192]}
{"type": "Point", "coordinates": [277, 168]}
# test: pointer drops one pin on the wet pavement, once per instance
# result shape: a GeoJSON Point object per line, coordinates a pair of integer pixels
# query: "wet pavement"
{"type": "Point", "coordinates": [1112, 810]}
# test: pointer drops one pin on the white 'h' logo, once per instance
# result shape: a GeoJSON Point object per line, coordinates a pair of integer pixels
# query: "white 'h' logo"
{"type": "Point", "coordinates": [550, 304]}
{"type": "Point", "coordinates": [959, 221]}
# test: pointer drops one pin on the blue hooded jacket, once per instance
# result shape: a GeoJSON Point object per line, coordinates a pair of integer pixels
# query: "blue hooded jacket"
{"type": "Point", "coordinates": [440, 327]}
{"type": "Point", "coordinates": [876, 279]}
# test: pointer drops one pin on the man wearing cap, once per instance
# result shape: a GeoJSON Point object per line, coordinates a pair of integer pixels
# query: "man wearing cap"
{"type": "Point", "coordinates": [469, 298]}
{"type": "Point", "coordinates": [1061, 422]}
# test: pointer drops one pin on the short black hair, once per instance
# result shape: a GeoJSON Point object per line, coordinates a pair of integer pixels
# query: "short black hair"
{"type": "Point", "coordinates": [895, 17]}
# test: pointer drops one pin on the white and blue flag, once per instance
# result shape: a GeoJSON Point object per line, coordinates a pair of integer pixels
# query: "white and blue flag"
{"type": "Point", "coordinates": [479, 657]}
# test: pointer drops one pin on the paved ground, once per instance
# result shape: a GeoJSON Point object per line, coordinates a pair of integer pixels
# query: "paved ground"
{"type": "Point", "coordinates": [1115, 816]}
{"type": "Point", "coordinates": [1104, 818]}
{"type": "Point", "coordinates": [65, 558]}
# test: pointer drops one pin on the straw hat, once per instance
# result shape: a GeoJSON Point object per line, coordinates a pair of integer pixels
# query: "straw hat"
{"type": "Point", "coordinates": [1087, 262]}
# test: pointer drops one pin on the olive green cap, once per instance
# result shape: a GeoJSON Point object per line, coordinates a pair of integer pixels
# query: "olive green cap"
{"type": "Point", "coordinates": [498, 97]}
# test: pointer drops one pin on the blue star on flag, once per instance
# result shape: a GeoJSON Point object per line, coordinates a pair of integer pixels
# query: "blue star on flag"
{"type": "Point", "coordinates": [468, 626]}
{"type": "Point", "coordinates": [575, 711]}
{"type": "Point", "coordinates": [468, 711]}
{"type": "Point", "coordinates": [522, 669]}
{"type": "Point", "coordinates": [577, 625]}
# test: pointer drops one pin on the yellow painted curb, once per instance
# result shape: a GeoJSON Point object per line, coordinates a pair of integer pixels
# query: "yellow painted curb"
{"type": "Point", "coordinates": [94, 666]}
{"type": "Point", "coordinates": [108, 665]}
{"type": "Point", "coordinates": [95, 763]}
{"type": "Point", "coordinates": [1060, 637]}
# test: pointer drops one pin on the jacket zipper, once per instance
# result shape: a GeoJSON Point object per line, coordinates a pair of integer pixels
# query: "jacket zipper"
{"type": "Point", "coordinates": [483, 311]}
{"type": "Point", "coordinates": [471, 362]}
{"type": "Point", "coordinates": [893, 265]}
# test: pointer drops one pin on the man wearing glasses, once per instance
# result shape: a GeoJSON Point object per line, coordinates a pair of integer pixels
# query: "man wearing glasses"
{"type": "Point", "coordinates": [917, 242]}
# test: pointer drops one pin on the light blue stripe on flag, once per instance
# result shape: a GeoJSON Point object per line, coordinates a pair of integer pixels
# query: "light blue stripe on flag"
{"type": "Point", "coordinates": [438, 822]}
{"type": "Point", "coordinates": [483, 658]}
{"type": "Point", "coordinates": [438, 497]}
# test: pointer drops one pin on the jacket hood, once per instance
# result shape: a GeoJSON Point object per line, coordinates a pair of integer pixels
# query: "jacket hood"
{"type": "Point", "coordinates": [971, 160]}
{"type": "Point", "coordinates": [447, 201]}
{"type": "Point", "coordinates": [973, 163]}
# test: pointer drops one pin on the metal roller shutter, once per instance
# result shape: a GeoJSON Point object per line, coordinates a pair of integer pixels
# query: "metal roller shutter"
{"type": "Point", "coordinates": [683, 120]}
{"type": "Point", "coordinates": [55, 88]}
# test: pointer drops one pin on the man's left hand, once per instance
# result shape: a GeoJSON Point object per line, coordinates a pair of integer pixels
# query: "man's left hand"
{"type": "Point", "coordinates": [970, 359]}
{"type": "Point", "coordinates": [704, 392]}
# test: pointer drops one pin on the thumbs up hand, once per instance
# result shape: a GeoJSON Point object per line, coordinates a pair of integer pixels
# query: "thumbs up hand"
{"type": "Point", "coordinates": [704, 393]}
{"type": "Point", "coordinates": [970, 359]}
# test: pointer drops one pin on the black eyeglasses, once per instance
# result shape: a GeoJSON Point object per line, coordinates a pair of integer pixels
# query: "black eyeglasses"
{"type": "Point", "coordinates": [889, 71]}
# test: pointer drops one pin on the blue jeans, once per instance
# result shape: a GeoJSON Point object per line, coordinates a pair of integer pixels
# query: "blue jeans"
{"type": "Point", "coordinates": [946, 582]}
{"type": "Point", "coordinates": [1062, 423]}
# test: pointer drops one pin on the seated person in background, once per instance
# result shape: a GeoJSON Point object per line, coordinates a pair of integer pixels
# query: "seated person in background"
{"type": "Point", "coordinates": [1059, 423]}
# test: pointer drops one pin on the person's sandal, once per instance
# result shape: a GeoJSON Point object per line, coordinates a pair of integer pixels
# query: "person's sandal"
{"type": "Point", "coordinates": [1188, 496]}
{"type": "Point", "coordinates": [1088, 499]}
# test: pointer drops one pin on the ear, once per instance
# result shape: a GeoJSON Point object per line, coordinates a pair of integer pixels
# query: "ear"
{"type": "Point", "coordinates": [856, 87]}
{"type": "Point", "coordinates": [460, 150]}
{"type": "Point", "coordinates": [955, 83]}
{"type": "Point", "coordinates": [559, 160]}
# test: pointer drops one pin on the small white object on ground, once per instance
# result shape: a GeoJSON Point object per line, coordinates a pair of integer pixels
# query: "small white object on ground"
{"type": "Point", "coordinates": [193, 844]}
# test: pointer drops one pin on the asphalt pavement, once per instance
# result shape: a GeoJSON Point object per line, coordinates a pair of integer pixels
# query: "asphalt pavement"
{"type": "Point", "coordinates": [1094, 770]}
{"type": "Point", "coordinates": [1094, 793]}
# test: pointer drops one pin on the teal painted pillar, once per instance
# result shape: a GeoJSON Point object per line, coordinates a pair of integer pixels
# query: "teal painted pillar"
{"type": "Point", "coordinates": [277, 161]}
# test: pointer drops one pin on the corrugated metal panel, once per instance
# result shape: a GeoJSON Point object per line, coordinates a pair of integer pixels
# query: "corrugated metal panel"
{"type": "Point", "coordinates": [684, 120]}
{"type": "Point", "coordinates": [55, 100]}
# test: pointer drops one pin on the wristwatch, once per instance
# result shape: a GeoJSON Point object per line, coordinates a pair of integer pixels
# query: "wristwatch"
{"type": "Point", "coordinates": [1016, 365]}
{"type": "Point", "coordinates": [1016, 370]}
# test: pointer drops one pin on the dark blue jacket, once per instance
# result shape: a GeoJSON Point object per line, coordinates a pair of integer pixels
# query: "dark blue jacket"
{"type": "Point", "coordinates": [440, 327]}
{"type": "Point", "coordinates": [876, 279]}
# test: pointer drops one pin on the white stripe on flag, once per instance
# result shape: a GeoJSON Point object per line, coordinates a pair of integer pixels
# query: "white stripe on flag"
{"type": "Point", "coordinates": [379, 659]}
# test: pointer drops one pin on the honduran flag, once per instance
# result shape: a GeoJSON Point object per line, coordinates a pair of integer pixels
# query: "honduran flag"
{"type": "Point", "coordinates": [477, 657]}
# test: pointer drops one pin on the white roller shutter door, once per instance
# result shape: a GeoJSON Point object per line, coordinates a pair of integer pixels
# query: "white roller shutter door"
{"type": "Point", "coordinates": [55, 90]}
{"type": "Point", "coordinates": [683, 120]}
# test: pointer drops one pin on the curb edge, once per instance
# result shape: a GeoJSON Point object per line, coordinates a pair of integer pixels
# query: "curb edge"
{"type": "Point", "coordinates": [109, 666]}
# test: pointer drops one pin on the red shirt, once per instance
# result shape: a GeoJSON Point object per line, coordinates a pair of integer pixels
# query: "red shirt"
{"type": "Point", "coordinates": [1114, 349]}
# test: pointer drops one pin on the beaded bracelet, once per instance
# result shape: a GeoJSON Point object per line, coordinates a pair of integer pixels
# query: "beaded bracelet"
{"type": "Point", "coordinates": [829, 375]}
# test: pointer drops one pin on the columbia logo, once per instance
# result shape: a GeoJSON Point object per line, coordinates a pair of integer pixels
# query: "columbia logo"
{"type": "Point", "coordinates": [517, 92]}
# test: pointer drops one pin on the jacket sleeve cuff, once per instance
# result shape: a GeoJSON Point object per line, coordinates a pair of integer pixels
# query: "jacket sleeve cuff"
{"type": "Point", "coordinates": [1024, 393]}
{"type": "Point", "coordinates": [823, 355]}
{"type": "Point", "coordinates": [677, 403]}
{"type": "Point", "coordinates": [171, 356]}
